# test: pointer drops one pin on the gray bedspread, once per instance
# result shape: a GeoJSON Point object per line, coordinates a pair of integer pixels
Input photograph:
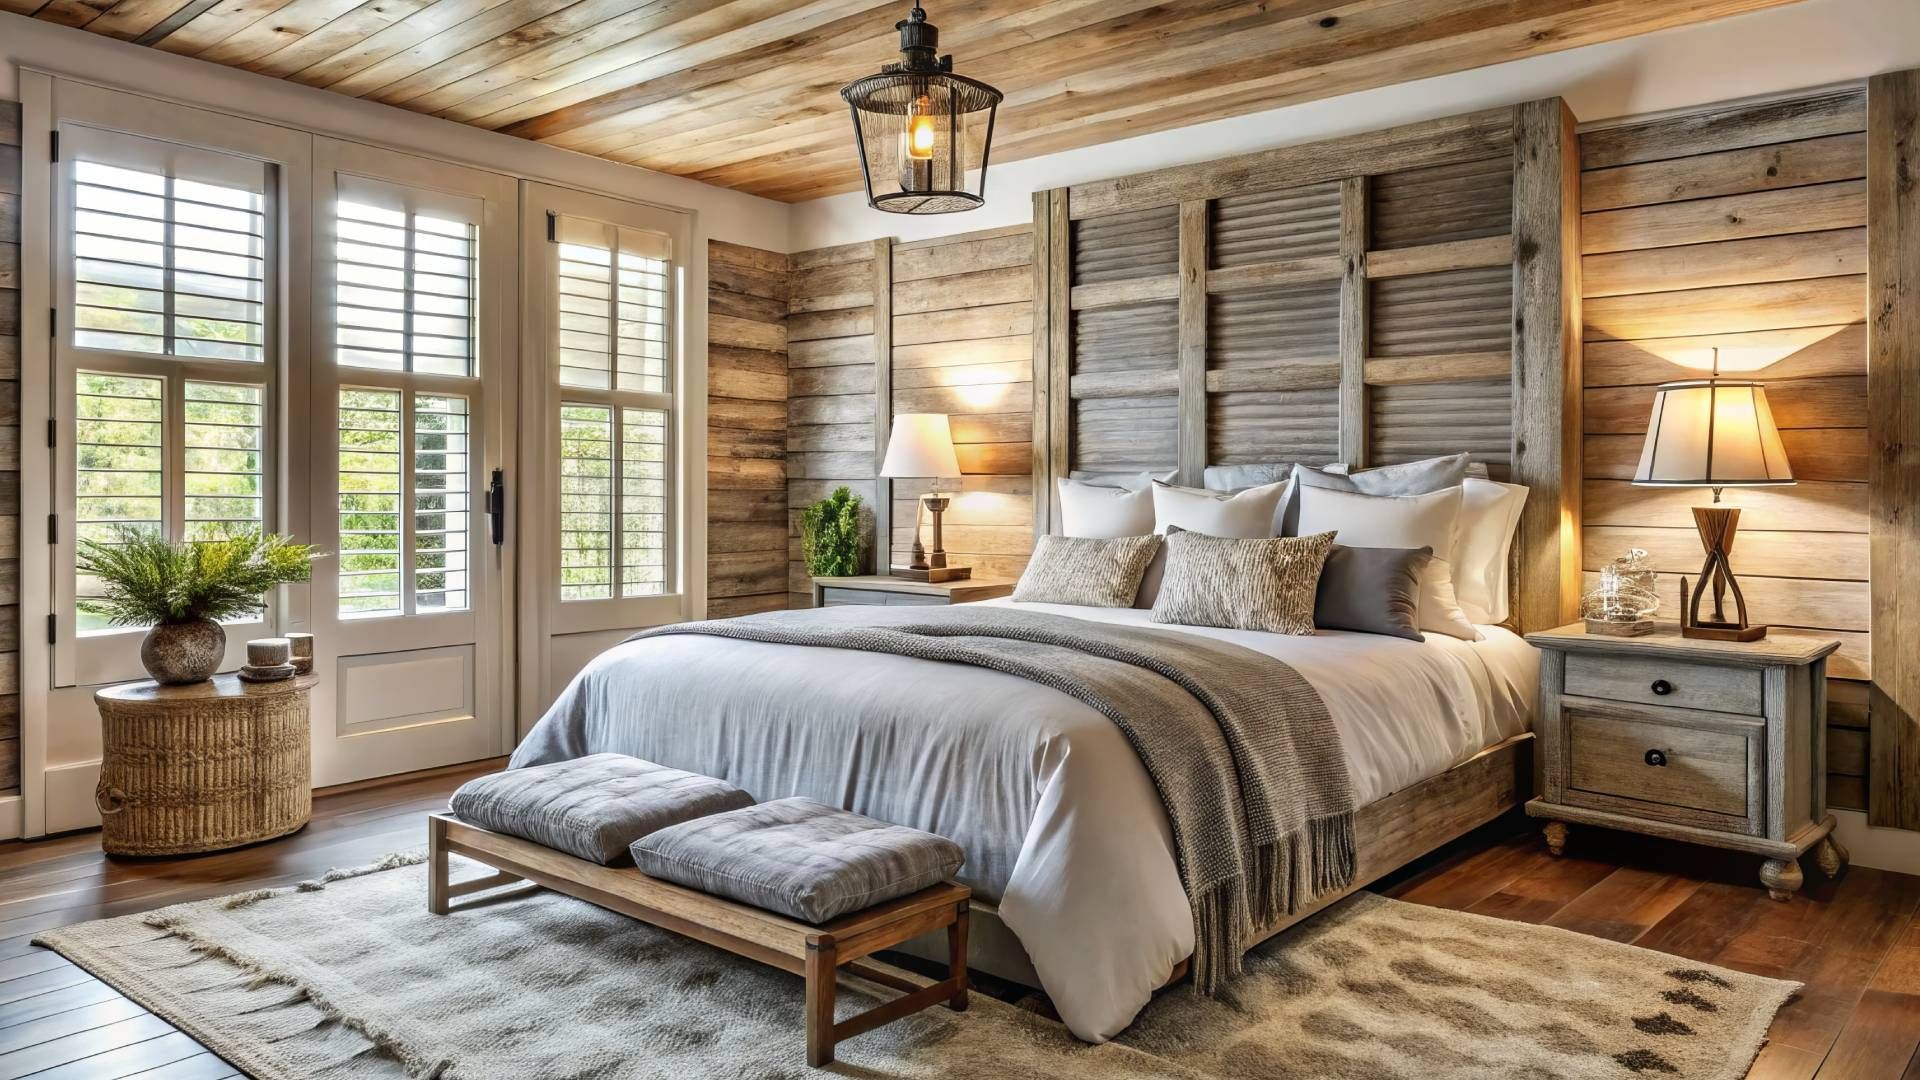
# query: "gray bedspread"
{"type": "Point", "coordinates": [1239, 747]}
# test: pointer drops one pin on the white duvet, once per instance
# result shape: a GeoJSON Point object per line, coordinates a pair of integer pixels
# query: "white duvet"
{"type": "Point", "coordinates": [1061, 825]}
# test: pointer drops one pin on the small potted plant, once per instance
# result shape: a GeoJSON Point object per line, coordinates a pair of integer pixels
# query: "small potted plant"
{"type": "Point", "coordinates": [182, 591]}
{"type": "Point", "coordinates": [831, 535]}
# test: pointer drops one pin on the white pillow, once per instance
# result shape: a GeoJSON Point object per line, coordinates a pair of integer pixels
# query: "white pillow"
{"type": "Point", "coordinates": [1105, 513]}
{"type": "Point", "coordinates": [1398, 521]}
{"type": "Point", "coordinates": [1243, 515]}
{"type": "Point", "coordinates": [1489, 514]}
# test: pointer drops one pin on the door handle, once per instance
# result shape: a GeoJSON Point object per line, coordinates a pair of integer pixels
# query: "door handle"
{"type": "Point", "coordinates": [497, 506]}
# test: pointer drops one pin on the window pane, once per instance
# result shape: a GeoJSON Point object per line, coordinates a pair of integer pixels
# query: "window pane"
{"type": "Point", "coordinates": [167, 265]}
{"type": "Point", "coordinates": [643, 502]}
{"type": "Point", "coordinates": [440, 503]}
{"type": "Point", "coordinates": [642, 329]}
{"type": "Point", "coordinates": [370, 495]}
{"type": "Point", "coordinates": [224, 481]}
{"type": "Point", "coordinates": [404, 291]}
{"type": "Point", "coordinates": [586, 316]}
{"type": "Point", "coordinates": [586, 502]}
{"type": "Point", "coordinates": [119, 479]}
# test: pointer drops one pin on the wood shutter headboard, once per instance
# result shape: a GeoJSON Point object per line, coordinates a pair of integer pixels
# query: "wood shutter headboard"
{"type": "Point", "coordinates": [1370, 299]}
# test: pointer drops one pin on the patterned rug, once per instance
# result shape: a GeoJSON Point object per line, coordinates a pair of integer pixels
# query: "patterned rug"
{"type": "Point", "coordinates": [351, 977]}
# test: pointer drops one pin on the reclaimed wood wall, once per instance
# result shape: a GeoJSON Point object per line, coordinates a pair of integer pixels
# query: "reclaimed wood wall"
{"type": "Point", "coordinates": [963, 345]}
{"type": "Point", "coordinates": [746, 430]}
{"type": "Point", "coordinates": [1371, 299]}
{"type": "Point", "coordinates": [9, 447]}
{"type": "Point", "coordinates": [1743, 229]}
{"type": "Point", "coordinates": [1893, 438]}
{"type": "Point", "coordinates": [836, 327]}
{"type": "Point", "coordinates": [942, 325]}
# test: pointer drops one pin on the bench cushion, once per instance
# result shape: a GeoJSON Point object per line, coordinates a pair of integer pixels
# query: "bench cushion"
{"type": "Point", "coordinates": [594, 807]}
{"type": "Point", "coordinates": [798, 857]}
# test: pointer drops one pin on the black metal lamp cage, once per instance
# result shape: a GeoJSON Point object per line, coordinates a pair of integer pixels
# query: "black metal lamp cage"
{"type": "Point", "coordinates": [919, 127]}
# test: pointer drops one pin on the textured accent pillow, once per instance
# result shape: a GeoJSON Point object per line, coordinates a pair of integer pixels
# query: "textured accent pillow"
{"type": "Point", "coordinates": [1266, 584]}
{"type": "Point", "coordinates": [1372, 590]}
{"type": "Point", "coordinates": [1399, 521]}
{"type": "Point", "coordinates": [1489, 514]}
{"type": "Point", "coordinates": [1085, 570]}
{"type": "Point", "coordinates": [799, 857]}
{"type": "Point", "coordinates": [593, 807]}
{"type": "Point", "coordinates": [1105, 512]}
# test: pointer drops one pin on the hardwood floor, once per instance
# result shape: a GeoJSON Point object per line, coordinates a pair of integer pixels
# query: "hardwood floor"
{"type": "Point", "coordinates": [1854, 942]}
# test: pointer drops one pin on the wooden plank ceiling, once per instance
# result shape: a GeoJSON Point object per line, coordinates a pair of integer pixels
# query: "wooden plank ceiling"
{"type": "Point", "coordinates": [744, 93]}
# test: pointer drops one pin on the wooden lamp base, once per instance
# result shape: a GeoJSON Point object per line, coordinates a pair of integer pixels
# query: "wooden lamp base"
{"type": "Point", "coordinates": [931, 565]}
{"type": "Point", "coordinates": [1717, 525]}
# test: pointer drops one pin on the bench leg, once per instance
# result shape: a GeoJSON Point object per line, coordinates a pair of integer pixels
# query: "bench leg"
{"type": "Point", "coordinates": [957, 958]}
{"type": "Point", "coordinates": [437, 869]}
{"type": "Point", "coordinates": [822, 975]}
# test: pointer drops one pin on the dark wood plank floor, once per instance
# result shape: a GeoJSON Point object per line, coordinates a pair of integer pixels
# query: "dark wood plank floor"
{"type": "Point", "coordinates": [1854, 942]}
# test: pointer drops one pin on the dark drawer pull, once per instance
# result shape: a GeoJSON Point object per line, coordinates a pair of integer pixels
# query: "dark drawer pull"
{"type": "Point", "coordinates": [1662, 687]}
{"type": "Point", "coordinates": [1656, 758]}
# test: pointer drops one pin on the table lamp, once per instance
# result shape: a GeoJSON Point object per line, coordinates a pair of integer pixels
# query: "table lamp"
{"type": "Point", "coordinates": [1715, 433]}
{"type": "Point", "coordinates": [922, 445]}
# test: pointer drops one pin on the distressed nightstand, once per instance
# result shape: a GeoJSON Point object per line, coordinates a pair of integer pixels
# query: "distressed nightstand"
{"type": "Point", "coordinates": [1713, 742]}
{"type": "Point", "coordinates": [901, 592]}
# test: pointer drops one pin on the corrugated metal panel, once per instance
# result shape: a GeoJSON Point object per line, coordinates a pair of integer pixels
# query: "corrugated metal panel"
{"type": "Point", "coordinates": [1256, 327]}
{"type": "Point", "coordinates": [1446, 202]}
{"type": "Point", "coordinates": [1281, 426]}
{"type": "Point", "coordinates": [1457, 311]}
{"type": "Point", "coordinates": [1421, 420]}
{"type": "Point", "coordinates": [1140, 243]}
{"type": "Point", "coordinates": [1125, 434]}
{"type": "Point", "coordinates": [1137, 337]}
{"type": "Point", "coordinates": [1289, 224]}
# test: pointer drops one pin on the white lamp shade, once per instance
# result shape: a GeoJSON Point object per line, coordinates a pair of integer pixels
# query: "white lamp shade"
{"type": "Point", "coordinates": [1712, 433]}
{"type": "Point", "coordinates": [921, 445]}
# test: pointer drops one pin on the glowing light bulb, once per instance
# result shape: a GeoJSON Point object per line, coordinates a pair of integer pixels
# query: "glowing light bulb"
{"type": "Point", "coordinates": [920, 131]}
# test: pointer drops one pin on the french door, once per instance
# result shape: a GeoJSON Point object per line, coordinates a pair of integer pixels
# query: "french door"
{"type": "Point", "coordinates": [415, 274]}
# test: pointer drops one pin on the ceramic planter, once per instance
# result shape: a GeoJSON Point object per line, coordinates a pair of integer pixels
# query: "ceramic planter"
{"type": "Point", "coordinates": [176, 654]}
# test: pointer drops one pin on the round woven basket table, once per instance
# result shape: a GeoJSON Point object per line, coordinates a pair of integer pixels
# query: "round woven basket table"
{"type": "Point", "coordinates": [203, 767]}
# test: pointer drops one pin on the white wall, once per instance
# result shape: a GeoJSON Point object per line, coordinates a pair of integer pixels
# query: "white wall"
{"type": "Point", "coordinates": [720, 214]}
{"type": "Point", "coordinates": [1808, 44]}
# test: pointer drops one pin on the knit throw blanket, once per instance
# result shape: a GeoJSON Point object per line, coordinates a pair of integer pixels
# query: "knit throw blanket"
{"type": "Point", "coordinates": [1239, 746]}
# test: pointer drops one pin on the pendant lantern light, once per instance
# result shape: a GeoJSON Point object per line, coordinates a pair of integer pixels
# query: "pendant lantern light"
{"type": "Point", "coordinates": [919, 127]}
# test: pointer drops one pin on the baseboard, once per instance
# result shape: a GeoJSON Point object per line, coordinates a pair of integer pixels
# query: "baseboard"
{"type": "Point", "coordinates": [69, 790]}
{"type": "Point", "coordinates": [12, 817]}
{"type": "Point", "coordinates": [1882, 849]}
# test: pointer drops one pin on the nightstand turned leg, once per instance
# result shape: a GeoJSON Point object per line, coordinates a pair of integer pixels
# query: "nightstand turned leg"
{"type": "Point", "coordinates": [1782, 877]}
{"type": "Point", "coordinates": [1829, 856]}
{"type": "Point", "coordinates": [1556, 837]}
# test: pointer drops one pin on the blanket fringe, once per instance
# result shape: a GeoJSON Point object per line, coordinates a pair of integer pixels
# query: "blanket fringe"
{"type": "Point", "coordinates": [417, 1065]}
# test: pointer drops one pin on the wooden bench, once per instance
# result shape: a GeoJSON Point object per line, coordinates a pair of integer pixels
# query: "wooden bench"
{"type": "Point", "coordinates": [817, 953]}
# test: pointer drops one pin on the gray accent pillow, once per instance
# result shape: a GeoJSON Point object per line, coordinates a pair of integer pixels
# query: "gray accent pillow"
{"type": "Point", "coordinates": [1265, 584]}
{"type": "Point", "coordinates": [1242, 477]}
{"type": "Point", "coordinates": [1409, 478]}
{"type": "Point", "coordinates": [798, 857]}
{"type": "Point", "coordinates": [1372, 590]}
{"type": "Point", "coordinates": [1084, 570]}
{"type": "Point", "coordinates": [594, 807]}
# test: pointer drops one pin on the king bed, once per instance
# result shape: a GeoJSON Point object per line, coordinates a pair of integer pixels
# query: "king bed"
{"type": "Point", "coordinates": [1067, 843]}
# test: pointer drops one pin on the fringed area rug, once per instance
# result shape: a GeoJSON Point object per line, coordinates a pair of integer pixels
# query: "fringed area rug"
{"type": "Point", "coordinates": [350, 976]}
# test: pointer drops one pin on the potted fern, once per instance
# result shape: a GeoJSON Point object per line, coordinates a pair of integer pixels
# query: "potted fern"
{"type": "Point", "coordinates": [181, 591]}
{"type": "Point", "coordinates": [831, 535]}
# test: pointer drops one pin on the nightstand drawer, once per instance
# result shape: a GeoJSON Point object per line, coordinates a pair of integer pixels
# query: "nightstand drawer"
{"type": "Point", "coordinates": [834, 596]}
{"type": "Point", "coordinates": [1705, 770]}
{"type": "Point", "coordinates": [1654, 680]}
